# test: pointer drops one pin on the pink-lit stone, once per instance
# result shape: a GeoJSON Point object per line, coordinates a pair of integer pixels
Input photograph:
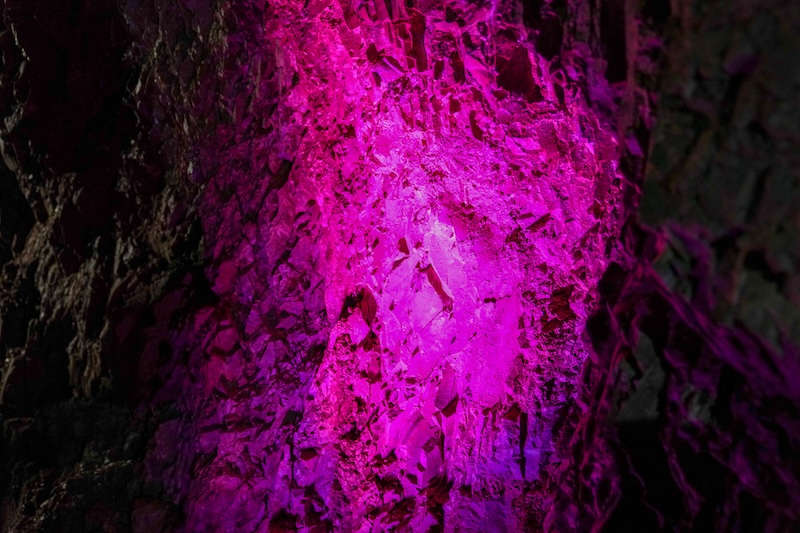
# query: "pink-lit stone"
{"type": "Point", "coordinates": [403, 284]}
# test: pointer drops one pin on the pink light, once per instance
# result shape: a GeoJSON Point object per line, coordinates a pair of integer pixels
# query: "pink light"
{"type": "Point", "coordinates": [404, 285]}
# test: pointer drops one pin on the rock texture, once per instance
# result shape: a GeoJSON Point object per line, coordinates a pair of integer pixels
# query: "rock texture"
{"type": "Point", "coordinates": [405, 240]}
{"type": "Point", "coordinates": [95, 226]}
{"type": "Point", "coordinates": [697, 342]}
{"type": "Point", "coordinates": [412, 266]}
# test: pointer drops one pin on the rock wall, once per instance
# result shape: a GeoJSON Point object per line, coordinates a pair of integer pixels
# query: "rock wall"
{"type": "Point", "coordinates": [697, 363]}
{"type": "Point", "coordinates": [483, 266]}
{"type": "Point", "coordinates": [408, 214]}
{"type": "Point", "coordinates": [96, 225]}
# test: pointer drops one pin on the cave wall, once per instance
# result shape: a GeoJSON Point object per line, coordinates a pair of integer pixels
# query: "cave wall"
{"type": "Point", "coordinates": [403, 295]}
{"type": "Point", "coordinates": [96, 223]}
{"type": "Point", "coordinates": [698, 335]}
{"type": "Point", "coordinates": [398, 265]}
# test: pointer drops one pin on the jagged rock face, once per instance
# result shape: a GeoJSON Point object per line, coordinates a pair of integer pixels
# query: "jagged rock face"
{"type": "Point", "coordinates": [90, 236]}
{"type": "Point", "coordinates": [278, 266]}
{"type": "Point", "coordinates": [405, 234]}
{"type": "Point", "coordinates": [697, 342]}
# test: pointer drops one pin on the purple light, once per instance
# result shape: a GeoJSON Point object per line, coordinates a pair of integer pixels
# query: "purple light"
{"type": "Point", "coordinates": [405, 267]}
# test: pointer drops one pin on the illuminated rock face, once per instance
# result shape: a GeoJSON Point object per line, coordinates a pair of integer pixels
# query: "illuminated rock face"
{"type": "Point", "coordinates": [333, 267]}
{"type": "Point", "coordinates": [405, 249]}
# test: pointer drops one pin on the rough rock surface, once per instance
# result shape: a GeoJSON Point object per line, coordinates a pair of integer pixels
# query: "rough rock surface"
{"type": "Point", "coordinates": [405, 240]}
{"type": "Point", "coordinates": [697, 340]}
{"type": "Point", "coordinates": [483, 266]}
{"type": "Point", "coordinates": [95, 226]}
